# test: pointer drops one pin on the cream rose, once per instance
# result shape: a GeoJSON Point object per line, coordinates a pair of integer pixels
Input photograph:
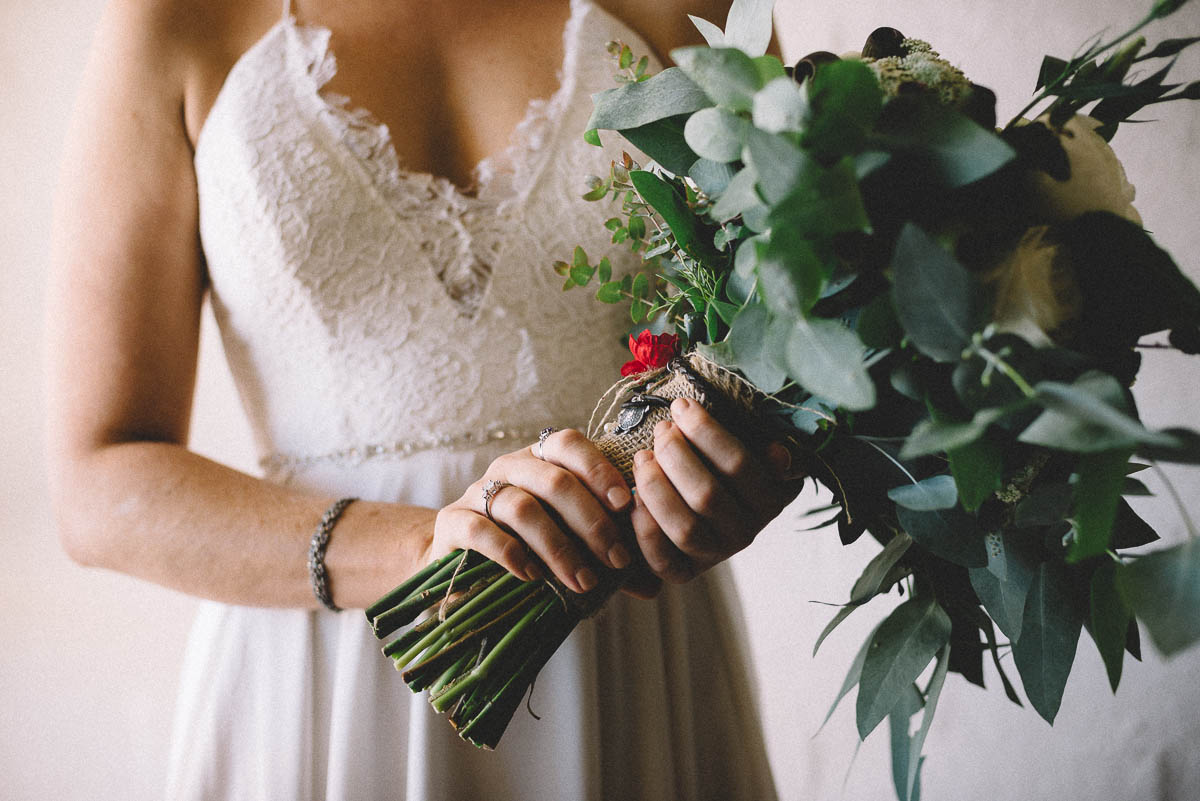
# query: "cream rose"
{"type": "Point", "coordinates": [1097, 181]}
{"type": "Point", "coordinates": [1035, 295]}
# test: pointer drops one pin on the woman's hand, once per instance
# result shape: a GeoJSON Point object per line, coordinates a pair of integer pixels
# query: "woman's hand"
{"type": "Point", "coordinates": [701, 495]}
{"type": "Point", "coordinates": [557, 508]}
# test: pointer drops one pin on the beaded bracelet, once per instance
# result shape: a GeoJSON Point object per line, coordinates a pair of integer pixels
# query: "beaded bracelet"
{"type": "Point", "coordinates": [316, 553]}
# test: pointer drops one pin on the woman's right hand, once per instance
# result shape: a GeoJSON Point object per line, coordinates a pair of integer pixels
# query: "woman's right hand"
{"type": "Point", "coordinates": [558, 508]}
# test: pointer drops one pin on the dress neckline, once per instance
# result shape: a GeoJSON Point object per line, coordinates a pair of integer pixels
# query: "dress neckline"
{"type": "Point", "coordinates": [370, 140]}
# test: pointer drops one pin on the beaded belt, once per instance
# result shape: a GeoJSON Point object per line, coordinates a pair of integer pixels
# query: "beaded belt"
{"type": "Point", "coordinates": [287, 462]}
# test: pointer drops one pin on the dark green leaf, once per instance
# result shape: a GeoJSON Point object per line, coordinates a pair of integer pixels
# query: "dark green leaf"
{"type": "Point", "coordinates": [1049, 634]}
{"type": "Point", "coordinates": [1110, 620]}
{"type": "Point", "coordinates": [901, 648]}
{"type": "Point", "coordinates": [952, 149]}
{"type": "Point", "coordinates": [727, 75]}
{"type": "Point", "coordinates": [597, 192]}
{"type": "Point", "coordinates": [637, 227]}
{"type": "Point", "coordinates": [791, 274]}
{"type": "Point", "coordinates": [934, 296]}
{"type": "Point", "coordinates": [769, 69]}
{"type": "Point", "coordinates": [592, 137]}
{"type": "Point", "coordinates": [662, 140]}
{"type": "Point", "coordinates": [1169, 47]}
{"type": "Point", "coordinates": [1096, 495]}
{"type": "Point", "coordinates": [844, 102]}
{"type": "Point", "coordinates": [1052, 69]}
{"type": "Point", "coordinates": [978, 470]}
{"type": "Point", "coordinates": [663, 198]}
{"type": "Point", "coordinates": [874, 576]}
{"type": "Point", "coordinates": [641, 285]}
{"type": "Point", "coordinates": [1003, 585]}
{"type": "Point", "coordinates": [841, 615]}
{"type": "Point", "coordinates": [716, 134]}
{"type": "Point", "coordinates": [826, 358]}
{"type": "Point", "coordinates": [824, 202]}
{"type": "Point", "coordinates": [1044, 506]}
{"type": "Point", "coordinates": [631, 105]}
{"type": "Point", "coordinates": [935, 492]}
{"type": "Point", "coordinates": [604, 270]}
{"type": "Point", "coordinates": [1163, 590]}
{"type": "Point", "coordinates": [951, 534]}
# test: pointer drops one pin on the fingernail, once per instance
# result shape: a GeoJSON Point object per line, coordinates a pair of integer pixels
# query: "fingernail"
{"type": "Point", "coordinates": [680, 405]}
{"type": "Point", "coordinates": [618, 498]}
{"type": "Point", "coordinates": [618, 557]}
{"type": "Point", "coordinates": [585, 578]}
{"type": "Point", "coordinates": [662, 427]}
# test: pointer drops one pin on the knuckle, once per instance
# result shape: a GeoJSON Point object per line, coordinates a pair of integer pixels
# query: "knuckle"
{"type": "Point", "coordinates": [571, 438]}
{"type": "Point", "coordinates": [598, 532]}
{"type": "Point", "coordinates": [707, 499]}
{"type": "Point", "coordinates": [560, 552]}
{"type": "Point", "coordinates": [690, 535]}
{"type": "Point", "coordinates": [523, 506]}
{"type": "Point", "coordinates": [737, 462]}
{"type": "Point", "coordinates": [559, 482]}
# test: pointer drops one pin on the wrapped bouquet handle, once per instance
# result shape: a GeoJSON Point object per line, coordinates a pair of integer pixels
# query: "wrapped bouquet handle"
{"type": "Point", "coordinates": [490, 633]}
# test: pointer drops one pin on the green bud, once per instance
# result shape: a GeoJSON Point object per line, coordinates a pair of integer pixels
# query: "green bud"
{"type": "Point", "coordinates": [1117, 66]}
{"type": "Point", "coordinates": [1165, 8]}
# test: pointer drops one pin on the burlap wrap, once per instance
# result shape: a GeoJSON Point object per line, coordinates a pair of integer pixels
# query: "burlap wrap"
{"type": "Point", "coordinates": [735, 403]}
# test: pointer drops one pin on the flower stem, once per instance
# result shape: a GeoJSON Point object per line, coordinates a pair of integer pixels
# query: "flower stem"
{"type": "Point", "coordinates": [417, 582]}
{"type": "Point", "coordinates": [405, 612]}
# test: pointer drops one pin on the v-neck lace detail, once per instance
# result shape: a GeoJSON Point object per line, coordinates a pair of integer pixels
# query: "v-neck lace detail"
{"type": "Point", "coordinates": [361, 303]}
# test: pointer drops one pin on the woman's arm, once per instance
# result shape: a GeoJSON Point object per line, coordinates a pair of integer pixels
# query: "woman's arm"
{"type": "Point", "coordinates": [126, 291]}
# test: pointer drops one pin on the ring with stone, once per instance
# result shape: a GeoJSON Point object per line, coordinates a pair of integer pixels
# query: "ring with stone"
{"type": "Point", "coordinates": [490, 490]}
{"type": "Point", "coordinates": [543, 435]}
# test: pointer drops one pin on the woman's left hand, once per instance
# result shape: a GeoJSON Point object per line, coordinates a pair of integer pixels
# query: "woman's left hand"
{"type": "Point", "coordinates": [702, 496]}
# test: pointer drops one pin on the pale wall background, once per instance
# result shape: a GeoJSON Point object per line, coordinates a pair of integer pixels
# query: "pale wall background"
{"type": "Point", "coordinates": [88, 660]}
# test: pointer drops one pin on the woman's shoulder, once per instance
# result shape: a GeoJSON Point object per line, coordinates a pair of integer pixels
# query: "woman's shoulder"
{"type": "Point", "coordinates": [186, 46]}
{"type": "Point", "coordinates": [665, 24]}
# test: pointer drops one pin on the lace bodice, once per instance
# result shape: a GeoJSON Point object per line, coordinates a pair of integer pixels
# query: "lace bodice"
{"type": "Point", "coordinates": [368, 310]}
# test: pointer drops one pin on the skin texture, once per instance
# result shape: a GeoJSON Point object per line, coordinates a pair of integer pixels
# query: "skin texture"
{"type": "Point", "coordinates": [129, 279]}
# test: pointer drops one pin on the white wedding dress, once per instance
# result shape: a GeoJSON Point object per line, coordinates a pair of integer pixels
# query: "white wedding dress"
{"type": "Point", "coordinates": [390, 336]}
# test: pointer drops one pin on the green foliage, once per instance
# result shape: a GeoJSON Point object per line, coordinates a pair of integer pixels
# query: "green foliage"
{"type": "Point", "coordinates": [1110, 620]}
{"type": "Point", "coordinates": [727, 76]}
{"type": "Point", "coordinates": [936, 301]}
{"type": "Point", "coordinates": [1163, 590]}
{"type": "Point", "coordinates": [904, 644]}
{"type": "Point", "coordinates": [1049, 633]}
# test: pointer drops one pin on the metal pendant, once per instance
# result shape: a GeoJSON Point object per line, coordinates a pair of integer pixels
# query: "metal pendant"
{"type": "Point", "coordinates": [634, 411]}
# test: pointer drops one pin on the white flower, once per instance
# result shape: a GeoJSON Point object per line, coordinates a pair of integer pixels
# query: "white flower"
{"type": "Point", "coordinates": [1097, 181]}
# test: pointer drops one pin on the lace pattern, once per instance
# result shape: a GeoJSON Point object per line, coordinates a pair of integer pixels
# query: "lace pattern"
{"type": "Point", "coordinates": [363, 303]}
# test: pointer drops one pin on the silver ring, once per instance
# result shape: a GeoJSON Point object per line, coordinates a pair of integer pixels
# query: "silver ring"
{"type": "Point", "coordinates": [543, 435]}
{"type": "Point", "coordinates": [490, 490]}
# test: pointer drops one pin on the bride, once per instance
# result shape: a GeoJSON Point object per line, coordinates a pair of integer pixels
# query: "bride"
{"type": "Point", "coordinates": [383, 287]}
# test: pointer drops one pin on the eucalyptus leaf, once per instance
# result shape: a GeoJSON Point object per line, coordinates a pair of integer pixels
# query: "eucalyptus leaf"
{"type": "Point", "coordinates": [824, 201]}
{"type": "Point", "coordinates": [631, 105]}
{"type": "Point", "coordinates": [852, 675]}
{"type": "Point", "coordinates": [934, 295]}
{"type": "Point", "coordinates": [951, 534]}
{"type": "Point", "coordinates": [745, 259]}
{"type": "Point", "coordinates": [791, 274]}
{"type": "Point", "coordinates": [1044, 506]}
{"type": "Point", "coordinates": [936, 436]}
{"type": "Point", "coordinates": [739, 195]}
{"type": "Point", "coordinates": [1097, 493]}
{"type": "Point", "coordinates": [1049, 634]}
{"type": "Point", "coordinates": [663, 198]}
{"type": "Point", "coordinates": [906, 641]}
{"type": "Point", "coordinates": [746, 340]}
{"type": "Point", "coordinates": [932, 693]}
{"type": "Point", "coordinates": [779, 106]}
{"type": "Point", "coordinates": [725, 74]}
{"type": "Point", "coordinates": [1110, 620]}
{"type": "Point", "coordinates": [777, 161]}
{"type": "Point", "coordinates": [712, 178]}
{"type": "Point", "coordinates": [749, 25]}
{"type": "Point", "coordinates": [874, 576]}
{"type": "Point", "coordinates": [935, 492]}
{"type": "Point", "coordinates": [951, 149]}
{"type": "Point", "coordinates": [826, 358]}
{"type": "Point", "coordinates": [978, 470]}
{"type": "Point", "coordinates": [844, 101]}
{"type": "Point", "coordinates": [1003, 585]}
{"type": "Point", "coordinates": [1088, 416]}
{"type": "Point", "coordinates": [716, 134]}
{"type": "Point", "coordinates": [841, 614]}
{"type": "Point", "coordinates": [910, 703]}
{"type": "Point", "coordinates": [711, 33]}
{"type": "Point", "coordinates": [1163, 590]}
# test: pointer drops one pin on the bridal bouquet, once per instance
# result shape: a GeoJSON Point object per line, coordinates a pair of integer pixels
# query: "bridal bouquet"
{"type": "Point", "coordinates": [942, 316]}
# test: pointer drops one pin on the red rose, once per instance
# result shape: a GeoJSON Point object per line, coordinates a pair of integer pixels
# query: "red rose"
{"type": "Point", "coordinates": [650, 351]}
